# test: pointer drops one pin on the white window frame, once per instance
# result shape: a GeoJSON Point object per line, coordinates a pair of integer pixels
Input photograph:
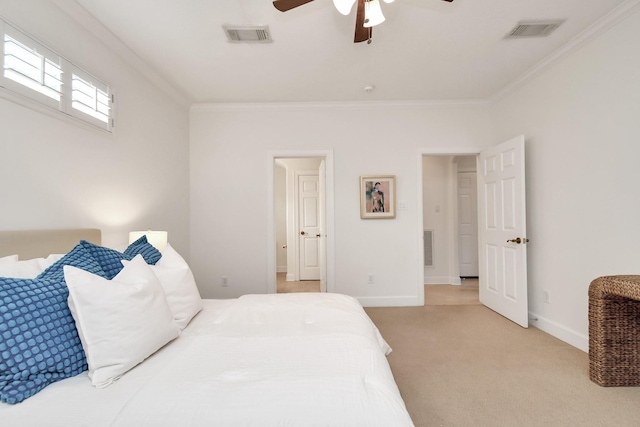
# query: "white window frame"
{"type": "Point", "coordinates": [24, 89]}
{"type": "Point", "coordinates": [91, 110]}
{"type": "Point", "coordinates": [70, 102]}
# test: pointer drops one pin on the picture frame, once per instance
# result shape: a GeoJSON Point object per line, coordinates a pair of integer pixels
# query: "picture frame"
{"type": "Point", "coordinates": [377, 196]}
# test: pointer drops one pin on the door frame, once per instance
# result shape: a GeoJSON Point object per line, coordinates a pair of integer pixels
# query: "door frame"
{"type": "Point", "coordinates": [435, 151]}
{"type": "Point", "coordinates": [327, 155]}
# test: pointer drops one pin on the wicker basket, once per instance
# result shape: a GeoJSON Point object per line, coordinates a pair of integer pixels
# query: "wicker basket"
{"type": "Point", "coordinates": [614, 331]}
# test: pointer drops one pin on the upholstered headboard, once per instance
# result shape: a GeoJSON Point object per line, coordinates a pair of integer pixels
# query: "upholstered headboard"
{"type": "Point", "coordinates": [40, 243]}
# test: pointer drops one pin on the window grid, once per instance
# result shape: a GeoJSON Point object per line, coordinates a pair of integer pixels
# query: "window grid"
{"type": "Point", "coordinates": [89, 99]}
{"type": "Point", "coordinates": [32, 67]}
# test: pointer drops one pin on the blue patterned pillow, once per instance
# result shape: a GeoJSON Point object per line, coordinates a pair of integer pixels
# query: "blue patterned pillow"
{"type": "Point", "coordinates": [110, 259]}
{"type": "Point", "coordinates": [39, 341]}
{"type": "Point", "coordinates": [141, 246]}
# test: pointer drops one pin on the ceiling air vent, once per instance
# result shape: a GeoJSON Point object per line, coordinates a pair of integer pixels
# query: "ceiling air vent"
{"type": "Point", "coordinates": [533, 29]}
{"type": "Point", "coordinates": [247, 34]}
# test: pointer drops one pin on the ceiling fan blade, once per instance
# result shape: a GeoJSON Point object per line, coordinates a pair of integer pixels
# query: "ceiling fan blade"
{"type": "Point", "coordinates": [362, 34]}
{"type": "Point", "coordinates": [448, 0]}
{"type": "Point", "coordinates": [284, 5]}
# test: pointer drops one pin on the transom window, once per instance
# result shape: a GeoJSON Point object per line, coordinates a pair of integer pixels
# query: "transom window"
{"type": "Point", "coordinates": [33, 71]}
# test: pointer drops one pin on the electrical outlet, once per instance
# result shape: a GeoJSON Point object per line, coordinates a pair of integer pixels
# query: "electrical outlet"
{"type": "Point", "coordinates": [545, 296]}
{"type": "Point", "coordinates": [225, 282]}
{"type": "Point", "coordinates": [370, 279]}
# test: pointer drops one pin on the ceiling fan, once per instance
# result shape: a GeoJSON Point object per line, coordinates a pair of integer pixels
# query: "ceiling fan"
{"type": "Point", "coordinates": [368, 14]}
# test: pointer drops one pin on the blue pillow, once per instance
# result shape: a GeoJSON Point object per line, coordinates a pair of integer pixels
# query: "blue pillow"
{"type": "Point", "coordinates": [141, 246]}
{"type": "Point", "coordinates": [110, 259]}
{"type": "Point", "coordinates": [39, 341]}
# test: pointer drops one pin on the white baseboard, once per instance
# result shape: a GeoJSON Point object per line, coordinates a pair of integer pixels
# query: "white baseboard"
{"type": "Point", "coordinates": [281, 269]}
{"type": "Point", "coordinates": [563, 333]}
{"type": "Point", "coordinates": [400, 301]}
{"type": "Point", "coordinates": [290, 277]}
{"type": "Point", "coordinates": [441, 280]}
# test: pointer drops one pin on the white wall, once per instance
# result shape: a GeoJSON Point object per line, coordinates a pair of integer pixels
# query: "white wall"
{"type": "Point", "coordinates": [56, 174]}
{"type": "Point", "coordinates": [229, 154]}
{"type": "Point", "coordinates": [581, 120]}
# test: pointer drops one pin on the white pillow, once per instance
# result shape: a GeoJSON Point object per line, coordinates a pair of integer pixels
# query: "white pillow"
{"type": "Point", "coordinates": [47, 262]}
{"type": "Point", "coordinates": [10, 266]}
{"type": "Point", "coordinates": [8, 259]}
{"type": "Point", "coordinates": [120, 322]}
{"type": "Point", "coordinates": [7, 262]}
{"type": "Point", "coordinates": [179, 286]}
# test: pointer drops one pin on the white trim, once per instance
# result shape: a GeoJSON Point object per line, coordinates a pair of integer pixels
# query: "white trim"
{"type": "Point", "coordinates": [333, 106]}
{"type": "Point", "coordinates": [442, 280]}
{"type": "Point", "coordinates": [580, 40]}
{"type": "Point", "coordinates": [95, 27]}
{"type": "Point", "coordinates": [577, 42]}
{"type": "Point", "coordinates": [52, 112]}
{"type": "Point", "coordinates": [563, 333]}
{"type": "Point", "coordinates": [399, 301]}
{"type": "Point", "coordinates": [329, 192]}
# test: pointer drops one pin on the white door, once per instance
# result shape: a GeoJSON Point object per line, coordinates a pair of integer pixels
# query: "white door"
{"type": "Point", "coordinates": [468, 224]}
{"type": "Point", "coordinates": [322, 243]}
{"type": "Point", "coordinates": [502, 230]}
{"type": "Point", "coordinates": [309, 227]}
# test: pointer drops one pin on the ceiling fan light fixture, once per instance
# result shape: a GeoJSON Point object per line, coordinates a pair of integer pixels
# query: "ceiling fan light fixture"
{"type": "Point", "coordinates": [344, 6]}
{"type": "Point", "coordinates": [388, 1]}
{"type": "Point", "coordinates": [372, 13]}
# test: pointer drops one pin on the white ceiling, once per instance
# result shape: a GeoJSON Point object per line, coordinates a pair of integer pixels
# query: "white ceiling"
{"type": "Point", "coordinates": [426, 50]}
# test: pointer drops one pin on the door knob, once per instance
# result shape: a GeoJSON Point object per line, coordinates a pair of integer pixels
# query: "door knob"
{"type": "Point", "coordinates": [518, 240]}
{"type": "Point", "coordinates": [302, 233]}
{"type": "Point", "coordinates": [318, 235]}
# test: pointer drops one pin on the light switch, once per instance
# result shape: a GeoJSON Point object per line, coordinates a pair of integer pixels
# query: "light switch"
{"type": "Point", "coordinates": [403, 205]}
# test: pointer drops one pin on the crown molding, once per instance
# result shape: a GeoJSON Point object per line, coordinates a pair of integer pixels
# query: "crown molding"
{"type": "Point", "coordinates": [91, 24]}
{"type": "Point", "coordinates": [592, 32]}
{"type": "Point", "coordinates": [598, 28]}
{"type": "Point", "coordinates": [337, 106]}
{"type": "Point", "coordinates": [95, 27]}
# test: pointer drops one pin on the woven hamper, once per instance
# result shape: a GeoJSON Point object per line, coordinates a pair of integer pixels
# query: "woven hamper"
{"type": "Point", "coordinates": [614, 331]}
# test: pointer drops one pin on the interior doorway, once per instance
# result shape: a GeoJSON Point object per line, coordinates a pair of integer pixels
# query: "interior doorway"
{"type": "Point", "coordinates": [502, 233]}
{"type": "Point", "coordinates": [300, 207]}
{"type": "Point", "coordinates": [449, 201]}
{"type": "Point", "coordinates": [298, 214]}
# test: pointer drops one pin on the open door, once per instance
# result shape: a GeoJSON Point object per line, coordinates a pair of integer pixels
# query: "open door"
{"type": "Point", "coordinates": [309, 224]}
{"type": "Point", "coordinates": [502, 230]}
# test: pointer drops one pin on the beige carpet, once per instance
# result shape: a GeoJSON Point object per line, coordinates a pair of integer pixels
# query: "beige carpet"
{"type": "Point", "coordinates": [464, 365]}
{"type": "Point", "coordinates": [466, 293]}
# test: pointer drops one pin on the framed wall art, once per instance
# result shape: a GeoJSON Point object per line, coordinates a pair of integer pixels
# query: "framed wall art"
{"type": "Point", "coordinates": [377, 196]}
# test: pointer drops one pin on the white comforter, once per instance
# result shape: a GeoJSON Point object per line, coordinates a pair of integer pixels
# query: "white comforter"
{"type": "Point", "coordinates": [260, 360]}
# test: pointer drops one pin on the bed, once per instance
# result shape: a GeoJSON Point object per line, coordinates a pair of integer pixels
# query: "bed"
{"type": "Point", "coordinates": [258, 360]}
